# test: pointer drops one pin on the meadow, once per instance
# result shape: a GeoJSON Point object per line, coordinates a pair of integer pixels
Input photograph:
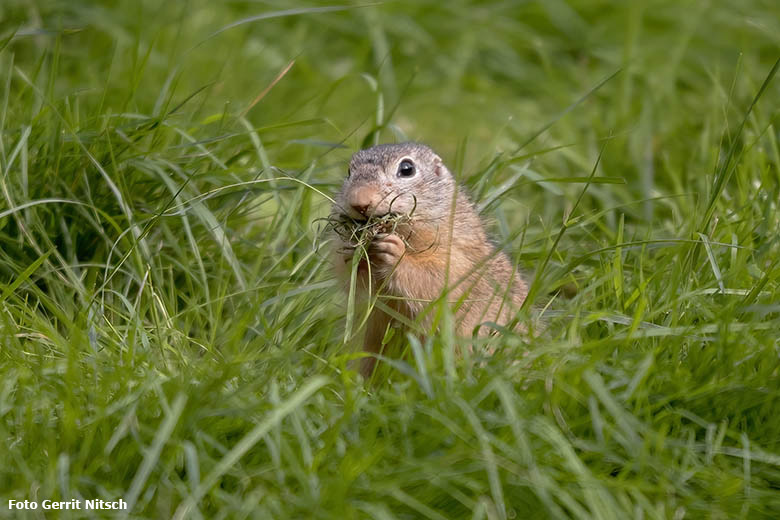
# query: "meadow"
{"type": "Point", "coordinates": [170, 330]}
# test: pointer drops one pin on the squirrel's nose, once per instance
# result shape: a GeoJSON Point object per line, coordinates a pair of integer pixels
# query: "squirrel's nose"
{"type": "Point", "coordinates": [361, 199]}
{"type": "Point", "coordinates": [360, 208]}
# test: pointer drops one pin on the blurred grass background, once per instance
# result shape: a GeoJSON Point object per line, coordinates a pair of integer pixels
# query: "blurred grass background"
{"type": "Point", "coordinates": [170, 332]}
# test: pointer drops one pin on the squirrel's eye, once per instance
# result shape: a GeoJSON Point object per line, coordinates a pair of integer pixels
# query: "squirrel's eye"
{"type": "Point", "coordinates": [406, 168]}
{"type": "Point", "coordinates": [349, 172]}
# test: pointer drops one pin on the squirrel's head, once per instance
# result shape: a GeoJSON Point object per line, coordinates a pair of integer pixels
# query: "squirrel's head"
{"type": "Point", "coordinates": [405, 178]}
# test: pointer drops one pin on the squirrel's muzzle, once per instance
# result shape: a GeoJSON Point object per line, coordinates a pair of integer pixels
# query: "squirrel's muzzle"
{"type": "Point", "coordinates": [363, 200]}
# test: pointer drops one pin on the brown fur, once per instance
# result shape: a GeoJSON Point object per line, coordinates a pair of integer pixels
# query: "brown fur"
{"type": "Point", "coordinates": [444, 246]}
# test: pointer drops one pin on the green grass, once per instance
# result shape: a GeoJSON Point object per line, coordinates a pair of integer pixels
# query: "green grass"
{"type": "Point", "coordinates": [170, 330]}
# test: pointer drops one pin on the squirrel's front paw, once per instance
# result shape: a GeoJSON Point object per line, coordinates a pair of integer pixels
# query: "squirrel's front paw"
{"type": "Point", "coordinates": [386, 250]}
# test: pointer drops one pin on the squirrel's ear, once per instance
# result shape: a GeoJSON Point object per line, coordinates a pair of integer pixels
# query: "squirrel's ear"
{"type": "Point", "coordinates": [438, 166]}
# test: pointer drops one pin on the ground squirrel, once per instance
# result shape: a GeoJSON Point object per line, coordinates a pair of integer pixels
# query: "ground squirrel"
{"type": "Point", "coordinates": [438, 244]}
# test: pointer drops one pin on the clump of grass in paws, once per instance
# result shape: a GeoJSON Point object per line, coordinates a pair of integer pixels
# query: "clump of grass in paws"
{"type": "Point", "coordinates": [358, 234]}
